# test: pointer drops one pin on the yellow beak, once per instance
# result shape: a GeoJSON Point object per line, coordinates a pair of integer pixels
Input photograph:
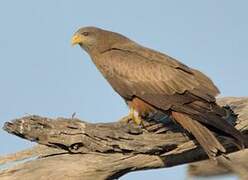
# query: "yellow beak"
{"type": "Point", "coordinates": [76, 39]}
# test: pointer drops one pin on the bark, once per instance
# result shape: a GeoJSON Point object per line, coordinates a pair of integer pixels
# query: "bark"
{"type": "Point", "coordinates": [73, 149]}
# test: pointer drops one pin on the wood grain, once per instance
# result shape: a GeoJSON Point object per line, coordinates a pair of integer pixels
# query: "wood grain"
{"type": "Point", "coordinates": [74, 149]}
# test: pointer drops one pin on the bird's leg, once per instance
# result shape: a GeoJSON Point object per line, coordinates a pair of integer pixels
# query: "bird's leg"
{"type": "Point", "coordinates": [134, 116]}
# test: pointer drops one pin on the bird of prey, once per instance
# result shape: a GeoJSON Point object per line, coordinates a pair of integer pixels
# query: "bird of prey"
{"type": "Point", "coordinates": [152, 82]}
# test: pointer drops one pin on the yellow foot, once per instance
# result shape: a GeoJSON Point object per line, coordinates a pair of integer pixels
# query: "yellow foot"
{"type": "Point", "coordinates": [126, 119]}
{"type": "Point", "coordinates": [134, 116]}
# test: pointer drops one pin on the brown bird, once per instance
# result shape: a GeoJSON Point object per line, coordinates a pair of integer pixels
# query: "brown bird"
{"type": "Point", "coordinates": [152, 82]}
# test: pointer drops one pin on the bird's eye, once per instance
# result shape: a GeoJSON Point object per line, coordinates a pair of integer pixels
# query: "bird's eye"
{"type": "Point", "coordinates": [85, 33]}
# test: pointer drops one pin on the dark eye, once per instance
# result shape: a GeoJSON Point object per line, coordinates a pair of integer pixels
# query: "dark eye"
{"type": "Point", "coordinates": [85, 33]}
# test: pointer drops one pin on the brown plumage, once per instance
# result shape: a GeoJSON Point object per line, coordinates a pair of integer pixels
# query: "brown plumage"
{"type": "Point", "coordinates": [151, 82]}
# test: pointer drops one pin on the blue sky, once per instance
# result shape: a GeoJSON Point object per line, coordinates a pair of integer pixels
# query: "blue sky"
{"type": "Point", "coordinates": [40, 73]}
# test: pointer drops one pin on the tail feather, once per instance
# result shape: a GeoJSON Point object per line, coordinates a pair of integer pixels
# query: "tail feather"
{"type": "Point", "coordinates": [212, 116]}
{"type": "Point", "coordinates": [205, 137]}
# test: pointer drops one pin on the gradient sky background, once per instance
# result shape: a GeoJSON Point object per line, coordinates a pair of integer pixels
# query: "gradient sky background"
{"type": "Point", "coordinates": [40, 73]}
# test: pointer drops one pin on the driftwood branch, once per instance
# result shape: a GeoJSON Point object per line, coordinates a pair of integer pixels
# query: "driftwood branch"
{"type": "Point", "coordinates": [74, 149]}
{"type": "Point", "coordinates": [238, 165]}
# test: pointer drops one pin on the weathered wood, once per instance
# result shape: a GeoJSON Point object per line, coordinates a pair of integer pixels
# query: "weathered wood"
{"type": "Point", "coordinates": [75, 149]}
{"type": "Point", "coordinates": [238, 166]}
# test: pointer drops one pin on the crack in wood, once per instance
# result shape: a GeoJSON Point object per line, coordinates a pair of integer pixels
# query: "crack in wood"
{"type": "Point", "coordinates": [80, 150]}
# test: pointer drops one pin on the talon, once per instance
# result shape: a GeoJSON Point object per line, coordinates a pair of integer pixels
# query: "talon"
{"type": "Point", "coordinates": [126, 119]}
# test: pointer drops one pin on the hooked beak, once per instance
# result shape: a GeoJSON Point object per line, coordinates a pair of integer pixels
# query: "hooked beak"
{"type": "Point", "coordinates": [76, 39]}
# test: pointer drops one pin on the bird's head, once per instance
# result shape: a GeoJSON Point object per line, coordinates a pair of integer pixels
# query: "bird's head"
{"type": "Point", "coordinates": [96, 40]}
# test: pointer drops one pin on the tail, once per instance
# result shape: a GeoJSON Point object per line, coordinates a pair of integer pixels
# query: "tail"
{"type": "Point", "coordinates": [205, 137]}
